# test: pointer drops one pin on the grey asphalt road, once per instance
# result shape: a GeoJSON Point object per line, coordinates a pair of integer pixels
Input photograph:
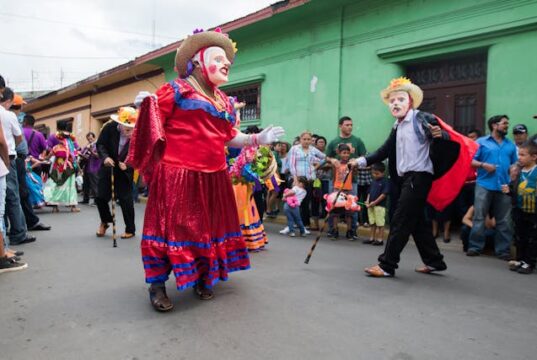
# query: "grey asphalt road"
{"type": "Point", "coordinates": [82, 299]}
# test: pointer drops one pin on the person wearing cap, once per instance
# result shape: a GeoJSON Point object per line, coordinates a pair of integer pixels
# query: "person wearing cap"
{"type": "Point", "coordinates": [428, 162]}
{"type": "Point", "coordinates": [191, 223]}
{"type": "Point", "coordinates": [113, 146]}
{"type": "Point", "coordinates": [60, 188]}
{"type": "Point", "coordinates": [520, 134]}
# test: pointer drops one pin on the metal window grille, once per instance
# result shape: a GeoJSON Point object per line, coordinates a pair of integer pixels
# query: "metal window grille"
{"type": "Point", "coordinates": [251, 95]}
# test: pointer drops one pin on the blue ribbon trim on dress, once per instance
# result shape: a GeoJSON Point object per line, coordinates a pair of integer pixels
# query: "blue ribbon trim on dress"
{"type": "Point", "coordinates": [251, 226]}
{"type": "Point", "coordinates": [191, 243]}
{"type": "Point", "coordinates": [191, 104]}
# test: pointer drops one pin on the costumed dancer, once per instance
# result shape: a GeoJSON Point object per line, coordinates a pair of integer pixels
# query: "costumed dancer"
{"type": "Point", "coordinates": [34, 183]}
{"type": "Point", "coordinates": [251, 168]}
{"type": "Point", "coordinates": [113, 146]}
{"type": "Point", "coordinates": [428, 162]}
{"type": "Point", "coordinates": [60, 188]}
{"type": "Point", "coordinates": [191, 226]}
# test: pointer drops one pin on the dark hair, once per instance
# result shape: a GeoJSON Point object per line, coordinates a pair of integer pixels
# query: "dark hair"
{"type": "Point", "coordinates": [61, 126]}
{"type": "Point", "coordinates": [477, 131]}
{"type": "Point", "coordinates": [495, 119]}
{"type": "Point", "coordinates": [303, 180]}
{"type": "Point", "coordinates": [320, 138]}
{"type": "Point", "coordinates": [530, 145]}
{"type": "Point", "coordinates": [7, 94]}
{"type": "Point", "coordinates": [90, 133]}
{"type": "Point", "coordinates": [343, 147]}
{"type": "Point", "coordinates": [343, 119]}
{"type": "Point", "coordinates": [252, 129]}
{"type": "Point", "coordinates": [28, 120]}
{"type": "Point", "coordinates": [379, 167]}
{"type": "Point", "coordinates": [15, 107]}
{"type": "Point", "coordinates": [315, 136]}
{"type": "Point", "coordinates": [2, 82]}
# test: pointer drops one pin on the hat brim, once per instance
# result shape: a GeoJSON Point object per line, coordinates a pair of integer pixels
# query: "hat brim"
{"type": "Point", "coordinates": [115, 118]}
{"type": "Point", "coordinates": [413, 90]}
{"type": "Point", "coordinates": [194, 43]}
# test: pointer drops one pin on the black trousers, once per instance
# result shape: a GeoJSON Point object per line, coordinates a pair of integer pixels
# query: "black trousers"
{"type": "Point", "coordinates": [123, 193]}
{"type": "Point", "coordinates": [305, 205]}
{"type": "Point", "coordinates": [31, 218]}
{"type": "Point", "coordinates": [90, 185]}
{"type": "Point", "coordinates": [409, 219]}
{"type": "Point", "coordinates": [526, 237]}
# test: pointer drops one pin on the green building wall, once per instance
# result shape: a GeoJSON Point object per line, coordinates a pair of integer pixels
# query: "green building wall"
{"type": "Point", "coordinates": [354, 48]}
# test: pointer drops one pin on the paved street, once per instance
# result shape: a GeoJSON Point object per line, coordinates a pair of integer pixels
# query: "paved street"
{"type": "Point", "coordinates": [82, 299]}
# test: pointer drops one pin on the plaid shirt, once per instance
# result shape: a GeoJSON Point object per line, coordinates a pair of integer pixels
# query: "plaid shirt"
{"type": "Point", "coordinates": [301, 163]}
{"type": "Point", "coordinates": [363, 176]}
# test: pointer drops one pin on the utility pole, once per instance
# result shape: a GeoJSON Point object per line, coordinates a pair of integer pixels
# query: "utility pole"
{"type": "Point", "coordinates": [33, 72]}
{"type": "Point", "coordinates": [61, 77]}
{"type": "Point", "coordinates": [153, 25]}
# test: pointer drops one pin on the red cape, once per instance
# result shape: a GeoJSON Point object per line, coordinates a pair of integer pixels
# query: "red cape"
{"type": "Point", "coordinates": [446, 188]}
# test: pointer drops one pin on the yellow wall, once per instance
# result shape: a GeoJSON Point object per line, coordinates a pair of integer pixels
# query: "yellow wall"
{"type": "Point", "coordinates": [83, 121]}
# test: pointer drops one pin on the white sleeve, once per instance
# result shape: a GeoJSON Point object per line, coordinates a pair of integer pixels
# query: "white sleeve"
{"type": "Point", "coordinates": [14, 124]}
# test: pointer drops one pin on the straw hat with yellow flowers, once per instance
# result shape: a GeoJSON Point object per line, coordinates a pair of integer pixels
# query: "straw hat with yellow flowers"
{"type": "Point", "coordinates": [403, 84]}
{"type": "Point", "coordinates": [126, 116]}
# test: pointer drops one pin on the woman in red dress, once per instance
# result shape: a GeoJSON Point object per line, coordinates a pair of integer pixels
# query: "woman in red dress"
{"type": "Point", "coordinates": [191, 225]}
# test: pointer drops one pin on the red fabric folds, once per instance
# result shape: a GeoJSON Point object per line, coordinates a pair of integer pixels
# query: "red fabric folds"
{"type": "Point", "coordinates": [446, 188]}
{"type": "Point", "coordinates": [148, 140]}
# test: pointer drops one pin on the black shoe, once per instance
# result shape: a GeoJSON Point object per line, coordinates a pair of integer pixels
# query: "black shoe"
{"type": "Point", "coordinates": [39, 226]}
{"type": "Point", "coordinates": [28, 239]}
{"type": "Point", "coordinates": [525, 269]}
{"type": "Point", "coordinates": [472, 253]}
{"type": "Point", "coordinates": [7, 265]}
{"type": "Point", "coordinates": [447, 240]}
{"type": "Point", "coordinates": [368, 241]}
{"type": "Point", "coordinates": [348, 235]}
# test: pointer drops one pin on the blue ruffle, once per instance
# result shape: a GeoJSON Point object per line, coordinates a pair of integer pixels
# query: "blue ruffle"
{"type": "Point", "coordinates": [191, 104]}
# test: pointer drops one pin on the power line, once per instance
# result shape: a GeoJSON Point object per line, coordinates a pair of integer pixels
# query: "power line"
{"type": "Point", "coordinates": [85, 26]}
{"type": "Point", "coordinates": [66, 57]}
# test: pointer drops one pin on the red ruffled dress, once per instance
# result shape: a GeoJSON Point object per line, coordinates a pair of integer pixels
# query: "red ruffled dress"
{"type": "Point", "coordinates": [191, 226]}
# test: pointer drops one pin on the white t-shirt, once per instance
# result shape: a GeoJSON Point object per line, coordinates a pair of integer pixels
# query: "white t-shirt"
{"type": "Point", "coordinates": [11, 127]}
{"type": "Point", "coordinates": [3, 168]}
{"type": "Point", "coordinates": [300, 193]}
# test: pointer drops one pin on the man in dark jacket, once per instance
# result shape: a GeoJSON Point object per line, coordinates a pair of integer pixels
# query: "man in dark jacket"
{"type": "Point", "coordinates": [113, 148]}
{"type": "Point", "coordinates": [419, 151]}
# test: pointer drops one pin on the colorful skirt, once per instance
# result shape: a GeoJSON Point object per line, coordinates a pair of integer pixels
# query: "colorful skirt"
{"type": "Point", "coordinates": [191, 227]}
{"type": "Point", "coordinates": [252, 227]}
{"type": "Point", "coordinates": [35, 189]}
{"type": "Point", "coordinates": [64, 194]}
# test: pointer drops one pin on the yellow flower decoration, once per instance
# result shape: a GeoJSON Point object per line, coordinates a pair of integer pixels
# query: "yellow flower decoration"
{"type": "Point", "coordinates": [127, 115]}
{"type": "Point", "coordinates": [399, 81]}
{"type": "Point", "coordinates": [235, 49]}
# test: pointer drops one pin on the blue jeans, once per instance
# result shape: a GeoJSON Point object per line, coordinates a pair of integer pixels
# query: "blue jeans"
{"type": "Point", "coordinates": [3, 209]}
{"type": "Point", "coordinates": [17, 222]}
{"type": "Point", "coordinates": [500, 204]}
{"type": "Point", "coordinates": [293, 217]}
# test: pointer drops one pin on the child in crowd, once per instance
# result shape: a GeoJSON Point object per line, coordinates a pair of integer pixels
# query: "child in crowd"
{"type": "Point", "coordinates": [292, 208]}
{"type": "Point", "coordinates": [524, 213]}
{"type": "Point", "coordinates": [376, 204]}
{"type": "Point", "coordinates": [340, 169]}
{"type": "Point", "coordinates": [467, 224]}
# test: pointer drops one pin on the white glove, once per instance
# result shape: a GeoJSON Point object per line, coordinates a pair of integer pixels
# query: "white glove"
{"type": "Point", "coordinates": [141, 96]}
{"type": "Point", "coordinates": [270, 134]}
{"type": "Point", "coordinates": [361, 162]}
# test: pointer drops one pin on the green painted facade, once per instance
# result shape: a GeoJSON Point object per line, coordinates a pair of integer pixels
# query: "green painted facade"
{"type": "Point", "coordinates": [327, 59]}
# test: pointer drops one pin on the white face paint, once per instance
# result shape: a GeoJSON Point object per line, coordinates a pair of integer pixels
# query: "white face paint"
{"type": "Point", "coordinates": [399, 103]}
{"type": "Point", "coordinates": [216, 63]}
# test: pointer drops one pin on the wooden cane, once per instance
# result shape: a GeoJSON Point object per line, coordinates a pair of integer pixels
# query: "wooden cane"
{"type": "Point", "coordinates": [113, 209]}
{"type": "Point", "coordinates": [326, 220]}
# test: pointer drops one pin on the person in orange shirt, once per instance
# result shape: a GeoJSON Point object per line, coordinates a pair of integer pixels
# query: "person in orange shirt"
{"type": "Point", "coordinates": [340, 170]}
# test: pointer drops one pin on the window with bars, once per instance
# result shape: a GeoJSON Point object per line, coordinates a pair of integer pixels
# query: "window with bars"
{"type": "Point", "coordinates": [251, 95]}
